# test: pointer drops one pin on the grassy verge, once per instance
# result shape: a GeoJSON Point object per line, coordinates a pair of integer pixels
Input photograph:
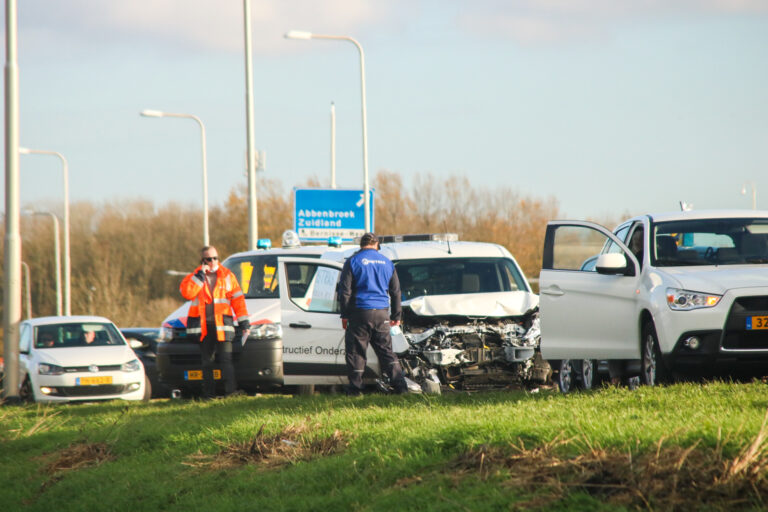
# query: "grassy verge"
{"type": "Point", "coordinates": [681, 447]}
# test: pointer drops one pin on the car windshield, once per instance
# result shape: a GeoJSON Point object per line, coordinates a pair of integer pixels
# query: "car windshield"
{"type": "Point", "coordinates": [257, 274]}
{"type": "Point", "coordinates": [710, 242]}
{"type": "Point", "coordinates": [457, 276]}
{"type": "Point", "coordinates": [77, 334]}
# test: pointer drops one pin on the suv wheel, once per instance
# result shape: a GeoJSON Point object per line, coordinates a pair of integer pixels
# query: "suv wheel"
{"type": "Point", "coordinates": [565, 376]}
{"type": "Point", "coordinates": [652, 370]}
{"type": "Point", "coordinates": [585, 373]}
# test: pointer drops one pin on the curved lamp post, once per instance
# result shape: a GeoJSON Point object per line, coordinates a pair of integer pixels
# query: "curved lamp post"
{"type": "Point", "coordinates": [158, 113]}
{"type": "Point", "coordinates": [57, 255]}
{"type": "Point", "coordinates": [29, 293]}
{"type": "Point", "coordinates": [67, 261]}
{"type": "Point", "coordinates": [299, 34]}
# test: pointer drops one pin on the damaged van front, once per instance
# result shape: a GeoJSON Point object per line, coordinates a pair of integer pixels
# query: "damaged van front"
{"type": "Point", "coordinates": [470, 318]}
{"type": "Point", "coordinates": [471, 341]}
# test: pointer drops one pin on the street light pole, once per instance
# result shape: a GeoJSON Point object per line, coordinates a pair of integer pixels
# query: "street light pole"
{"type": "Point", "coordinates": [333, 145]}
{"type": "Point", "coordinates": [29, 293]}
{"type": "Point", "coordinates": [158, 113]}
{"type": "Point", "coordinates": [299, 34]}
{"type": "Point", "coordinates": [754, 192]}
{"type": "Point", "coordinates": [12, 252]}
{"type": "Point", "coordinates": [67, 260]}
{"type": "Point", "coordinates": [253, 213]}
{"type": "Point", "coordinates": [57, 255]}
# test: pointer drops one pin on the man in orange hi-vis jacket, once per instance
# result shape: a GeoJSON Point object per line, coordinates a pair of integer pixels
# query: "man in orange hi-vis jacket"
{"type": "Point", "coordinates": [216, 301]}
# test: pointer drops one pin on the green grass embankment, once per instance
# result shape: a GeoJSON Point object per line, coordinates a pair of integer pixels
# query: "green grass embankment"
{"type": "Point", "coordinates": [680, 447]}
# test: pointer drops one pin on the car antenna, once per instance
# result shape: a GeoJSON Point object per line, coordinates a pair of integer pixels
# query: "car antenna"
{"type": "Point", "coordinates": [447, 238]}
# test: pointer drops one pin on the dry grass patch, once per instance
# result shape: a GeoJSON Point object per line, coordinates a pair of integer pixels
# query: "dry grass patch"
{"type": "Point", "coordinates": [290, 445]}
{"type": "Point", "coordinates": [669, 478]}
{"type": "Point", "coordinates": [77, 456]}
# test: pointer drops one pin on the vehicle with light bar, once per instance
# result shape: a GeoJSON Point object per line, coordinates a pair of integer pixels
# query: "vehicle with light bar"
{"type": "Point", "coordinates": [470, 318]}
{"type": "Point", "coordinates": [257, 361]}
{"type": "Point", "coordinates": [660, 297]}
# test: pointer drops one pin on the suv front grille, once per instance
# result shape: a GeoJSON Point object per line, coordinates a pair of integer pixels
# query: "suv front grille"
{"type": "Point", "coordinates": [736, 336]}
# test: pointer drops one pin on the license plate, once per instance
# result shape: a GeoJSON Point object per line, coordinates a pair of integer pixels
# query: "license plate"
{"type": "Point", "coordinates": [757, 322]}
{"type": "Point", "coordinates": [93, 381]}
{"type": "Point", "coordinates": [198, 375]}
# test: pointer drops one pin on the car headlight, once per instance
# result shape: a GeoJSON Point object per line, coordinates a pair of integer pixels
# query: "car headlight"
{"type": "Point", "coordinates": [266, 331]}
{"type": "Point", "coordinates": [131, 366]}
{"type": "Point", "coordinates": [165, 334]}
{"type": "Point", "coordinates": [49, 369]}
{"type": "Point", "coordinates": [686, 300]}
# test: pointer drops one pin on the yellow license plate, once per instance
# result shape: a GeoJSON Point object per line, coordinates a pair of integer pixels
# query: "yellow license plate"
{"type": "Point", "coordinates": [757, 322]}
{"type": "Point", "coordinates": [93, 381]}
{"type": "Point", "coordinates": [198, 375]}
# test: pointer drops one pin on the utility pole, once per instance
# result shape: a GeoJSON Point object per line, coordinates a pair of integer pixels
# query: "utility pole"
{"type": "Point", "coordinates": [12, 281]}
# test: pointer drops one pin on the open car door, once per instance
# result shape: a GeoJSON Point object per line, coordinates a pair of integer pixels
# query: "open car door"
{"type": "Point", "coordinates": [313, 339]}
{"type": "Point", "coordinates": [588, 294]}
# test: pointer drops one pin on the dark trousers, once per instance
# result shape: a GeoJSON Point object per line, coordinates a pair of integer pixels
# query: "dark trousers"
{"type": "Point", "coordinates": [364, 326]}
{"type": "Point", "coordinates": [213, 350]}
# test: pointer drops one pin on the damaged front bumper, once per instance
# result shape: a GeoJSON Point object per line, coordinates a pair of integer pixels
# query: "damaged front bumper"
{"type": "Point", "coordinates": [465, 353]}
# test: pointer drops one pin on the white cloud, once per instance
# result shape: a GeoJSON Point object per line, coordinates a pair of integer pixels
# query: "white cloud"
{"type": "Point", "coordinates": [201, 24]}
{"type": "Point", "coordinates": [218, 24]}
{"type": "Point", "coordinates": [548, 21]}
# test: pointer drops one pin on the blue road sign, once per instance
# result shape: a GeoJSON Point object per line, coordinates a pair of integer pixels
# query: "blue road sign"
{"type": "Point", "coordinates": [320, 213]}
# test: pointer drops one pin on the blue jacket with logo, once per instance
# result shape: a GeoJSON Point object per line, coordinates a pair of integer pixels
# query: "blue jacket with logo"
{"type": "Point", "coordinates": [369, 281]}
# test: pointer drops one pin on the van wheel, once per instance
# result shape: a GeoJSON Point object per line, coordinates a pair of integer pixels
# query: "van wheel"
{"type": "Point", "coordinates": [305, 389]}
{"type": "Point", "coordinates": [565, 376]}
{"type": "Point", "coordinates": [631, 383]}
{"type": "Point", "coordinates": [585, 373]}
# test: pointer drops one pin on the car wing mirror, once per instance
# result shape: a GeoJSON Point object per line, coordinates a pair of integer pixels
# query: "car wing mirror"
{"type": "Point", "coordinates": [614, 264]}
{"type": "Point", "coordinates": [135, 344]}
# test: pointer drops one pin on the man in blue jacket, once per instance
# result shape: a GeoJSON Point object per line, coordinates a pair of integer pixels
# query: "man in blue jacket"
{"type": "Point", "coordinates": [369, 295]}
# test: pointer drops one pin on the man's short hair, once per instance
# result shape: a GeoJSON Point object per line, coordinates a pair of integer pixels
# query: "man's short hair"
{"type": "Point", "coordinates": [369, 239]}
{"type": "Point", "coordinates": [202, 251]}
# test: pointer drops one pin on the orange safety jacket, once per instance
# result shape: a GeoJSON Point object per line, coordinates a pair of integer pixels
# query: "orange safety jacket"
{"type": "Point", "coordinates": [228, 303]}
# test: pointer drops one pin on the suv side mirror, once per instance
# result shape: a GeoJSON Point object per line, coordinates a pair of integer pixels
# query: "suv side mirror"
{"type": "Point", "coordinates": [614, 264]}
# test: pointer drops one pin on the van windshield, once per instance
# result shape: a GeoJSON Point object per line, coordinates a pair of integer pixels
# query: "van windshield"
{"type": "Point", "coordinates": [710, 242]}
{"type": "Point", "coordinates": [257, 274]}
{"type": "Point", "coordinates": [458, 276]}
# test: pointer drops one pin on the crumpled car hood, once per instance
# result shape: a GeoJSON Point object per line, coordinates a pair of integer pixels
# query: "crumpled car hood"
{"type": "Point", "coordinates": [481, 305]}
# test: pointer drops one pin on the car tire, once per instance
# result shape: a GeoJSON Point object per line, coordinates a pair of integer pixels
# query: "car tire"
{"type": "Point", "coordinates": [305, 389]}
{"type": "Point", "coordinates": [585, 373]}
{"type": "Point", "coordinates": [565, 376]}
{"type": "Point", "coordinates": [631, 383]}
{"type": "Point", "coordinates": [652, 370]}
{"type": "Point", "coordinates": [147, 389]}
{"type": "Point", "coordinates": [25, 391]}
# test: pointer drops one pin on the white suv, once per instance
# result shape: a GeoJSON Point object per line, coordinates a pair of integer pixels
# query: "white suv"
{"type": "Point", "coordinates": [660, 296]}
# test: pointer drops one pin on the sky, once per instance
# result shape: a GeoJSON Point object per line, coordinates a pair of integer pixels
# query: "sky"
{"type": "Point", "coordinates": [612, 107]}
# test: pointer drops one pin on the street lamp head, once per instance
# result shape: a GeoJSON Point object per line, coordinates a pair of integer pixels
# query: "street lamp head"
{"type": "Point", "coordinates": [743, 190]}
{"type": "Point", "coordinates": [298, 34]}
{"type": "Point", "coordinates": [152, 113]}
